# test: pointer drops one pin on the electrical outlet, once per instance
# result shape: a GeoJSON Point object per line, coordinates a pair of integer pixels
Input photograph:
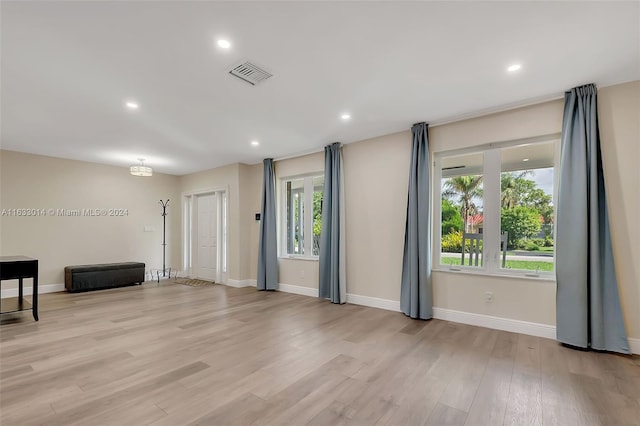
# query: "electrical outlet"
{"type": "Point", "coordinates": [488, 296]}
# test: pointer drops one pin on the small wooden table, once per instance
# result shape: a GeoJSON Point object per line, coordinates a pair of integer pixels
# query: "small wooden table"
{"type": "Point", "coordinates": [18, 268]}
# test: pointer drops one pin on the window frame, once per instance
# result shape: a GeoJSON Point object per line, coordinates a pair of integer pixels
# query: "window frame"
{"type": "Point", "coordinates": [307, 219]}
{"type": "Point", "coordinates": [491, 171]}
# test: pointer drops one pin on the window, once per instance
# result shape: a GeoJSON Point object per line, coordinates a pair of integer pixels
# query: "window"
{"type": "Point", "coordinates": [496, 209]}
{"type": "Point", "coordinates": [526, 206]}
{"type": "Point", "coordinates": [302, 215]}
{"type": "Point", "coordinates": [462, 204]}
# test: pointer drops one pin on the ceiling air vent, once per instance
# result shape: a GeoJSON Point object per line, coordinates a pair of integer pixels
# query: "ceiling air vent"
{"type": "Point", "coordinates": [250, 73]}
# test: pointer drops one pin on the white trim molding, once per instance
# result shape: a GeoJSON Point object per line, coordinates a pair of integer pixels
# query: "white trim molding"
{"type": "Point", "coordinates": [297, 289]}
{"type": "Point", "coordinates": [28, 291]}
{"type": "Point", "coordinates": [496, 323]}
{"type": "Point", "coordinates": [374, 302]}
{"type": "Point", "coordinates": [634, 344]}
{"type": "Point", "coordinates": [239, 283]}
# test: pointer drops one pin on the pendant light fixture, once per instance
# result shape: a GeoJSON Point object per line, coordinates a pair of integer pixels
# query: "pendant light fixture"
{"type": "Point", "coordinates": [141, 169]}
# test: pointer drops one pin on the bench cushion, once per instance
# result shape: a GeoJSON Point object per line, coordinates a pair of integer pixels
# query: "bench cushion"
{"type": "Point", "coordinates": [102, 276]}
{"type": "Point", "coordinates": [105, 267]}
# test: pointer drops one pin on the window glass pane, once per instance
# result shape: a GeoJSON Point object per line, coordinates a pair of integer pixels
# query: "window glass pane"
{"type": "Point", "coordinates": [294, 193]}
{"type": "Point", "coordinates": [318, 188]}
{"type": "Point", "coordinates": [526, 207]}
{"type": "Point", "coordinates": [462, 210]}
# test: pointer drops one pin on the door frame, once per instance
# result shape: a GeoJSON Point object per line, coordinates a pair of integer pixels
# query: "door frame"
{"type": "Point", "coordinates": [189, 228]}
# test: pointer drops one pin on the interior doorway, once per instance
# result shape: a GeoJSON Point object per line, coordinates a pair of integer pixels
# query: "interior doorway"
{"type": "Point", "coordinates": [204, 235]}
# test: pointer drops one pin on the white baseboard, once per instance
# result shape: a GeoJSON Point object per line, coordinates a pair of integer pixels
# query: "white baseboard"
{"type": "Point", "coordinates": [180, 274]}
{"type": "Point", "coordinates": [28, 291]}
{"type": "Point", "coordinates": [374, 302]}
{"type": "Point", "coordinates": [240, 283]}
{"type": "Point", "coordinates": [297, 289]}
{"type": "Point", "coordinates": [497, 323]}
{"type": "Point", "coordinates": [355, 299]}
{"type": "Point", "coordinates": [506, 324]}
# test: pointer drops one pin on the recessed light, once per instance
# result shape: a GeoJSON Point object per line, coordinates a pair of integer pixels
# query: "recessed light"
{"type": "Point", "coordinates": [525, 159]}
{"type": "Point", "coordinates": [225, 44]}
{"type": "Point", "coordinates": [345, 116]}
{"type": "Point", "coordinates": [132, 105]}
{"type": "Point", "coordinates": [514, 67]}
{"type": "Point", "coordinates": [255, 143]}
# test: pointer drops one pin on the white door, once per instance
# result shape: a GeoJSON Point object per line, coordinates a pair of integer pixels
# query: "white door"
{"type": "Point", "coordinates": [207, 237]}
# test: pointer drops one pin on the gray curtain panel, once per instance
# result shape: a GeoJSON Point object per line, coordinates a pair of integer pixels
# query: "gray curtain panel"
{"type": "Point", "coordinates": [268, 245]}
{"type": "Point", "coordinates": [333, 278]}
{"type": "Point", "coordinates": [415, 290]}
{"type": "Point", "coordinates": [587, 301]}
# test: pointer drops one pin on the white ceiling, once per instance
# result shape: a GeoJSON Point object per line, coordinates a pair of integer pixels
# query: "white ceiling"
{"type": "Point", "coordinates": [68, 67]}
{"type": "Point", "coordinates": [512, 158]}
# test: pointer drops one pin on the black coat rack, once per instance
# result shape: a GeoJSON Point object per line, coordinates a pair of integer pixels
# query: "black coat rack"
{"type": "Point", "coordinates": [164, 205]}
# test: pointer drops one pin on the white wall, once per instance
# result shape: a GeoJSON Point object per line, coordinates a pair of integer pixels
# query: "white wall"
{"type": "Point", "coordinates": [243, 183]}
{"type": "Point", "coordinates": [518, 299]}
{"type": "Point", "coordinates": [376, 188]}
{"type": "Point", "coordinates": [376, 181]}
{"type": "Point", "coordinates": [215, 179]}
{"type": "Point", "coordinates": [303, 273]}
{"type": "Point", "coordinates": [35, 181]}
{"type": "Point", "coordinates": [376, 176]}
{"type": "Point", "coordinates": [251, 190]}
{"type": "Point", "coordinates": [619, 114]}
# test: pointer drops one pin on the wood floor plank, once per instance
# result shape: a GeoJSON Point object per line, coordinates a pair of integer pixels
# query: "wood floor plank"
{"type": "Point", "coordinates": [336, 414]}
{"type": "Point", "coordinates": [7, 374]}
{"type": "Point", "coordinates": [417, 403]}
{"type": "Point", "coordinates": [97, 406]}
{"type": "Point", "coordinates": [242, 411]}
{"type": "Point", "coordinates": [490, 403]}
{"type": "Point", "coordinates": [167, 354]}
{"type": "Point", "coordinates": [281, 411]}
{"type": "Point", "coordinates": [525, 400]}
{"type": "Point", "coordinates": [465, 380]}
{"type": "Point", "coordinates": [525, 391]}
{"type": "Point", "coordinates": [443, 415]}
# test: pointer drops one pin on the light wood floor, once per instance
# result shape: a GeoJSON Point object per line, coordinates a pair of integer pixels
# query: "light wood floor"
{"type": "Point", "coordinates": [171, 354]}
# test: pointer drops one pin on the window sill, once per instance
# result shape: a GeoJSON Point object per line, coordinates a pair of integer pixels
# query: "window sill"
{"type": "Point", "coordinates": [519, 276]}
{"type": "Point", "coordinates": [305, 258]}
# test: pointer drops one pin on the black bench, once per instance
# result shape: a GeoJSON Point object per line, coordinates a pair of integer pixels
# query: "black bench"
{"type": "Point", "coordinates": [102, 276]}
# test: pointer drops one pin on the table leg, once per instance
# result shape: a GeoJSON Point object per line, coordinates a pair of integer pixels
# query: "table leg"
{"type": "Point", "coordinates": [34, 300]}
{"type": "Point", "coordinates": [20, 292]}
